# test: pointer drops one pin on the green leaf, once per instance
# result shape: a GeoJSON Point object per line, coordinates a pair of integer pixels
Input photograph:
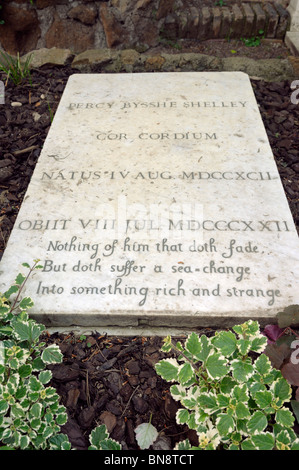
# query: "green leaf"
{"type": "Point", "coordinates": [284, 417]}
{"type": "Point", "coordinates": [183, 445]}
{"type": "Point", "coordinates": [263, 365]}
{"type": "Point", "coordinates": [182, 416]}
{"type": "Point", "coordinates": [97, 435]}
{"type": "Point", "coordinates": [61, 419]}
{"type": "Point", "coordinates": [20, 279]}
{"type": "Point", "coordinates": [25, 370]}
{"type": "Point", "coordinates": [216, 366]}
{"type": "Point", "coordinates": [146, 434]}
{"type": "Point", "coordinates": [263, 441]}
{"type": "Point", "coordinates": [59, 442]}
{"type": "Point", "coordinates": [45, 376]}
{"type": "Point", "coordinates": [26, 303]}
{"type": "Point", "coordinates": [242, 370]}
{"type": "Point", "coordinates": [225, 342]}
{"type": "Point", "coordinates": [259, 344]}
{"type": "Point", "coordinates": [110, 444]}
{"type": "Point", "coordinates": [243, 346]}
{"type": "Point", "coordinates": [263, 398]}
{"type": "Point", "coordinates": [225, 424]}
{"type": "Point", "coordinates": [185, 373]}
{"type": "Point", "coordinates": [257, 423]}
{"type": "Point", "coordinates": [3, 406]}
{"type": "Point", "coordinates": [281, 389]}
{"type": "Point", "coordinates": [206, 348]}
{"type": "Point", "coordinates": [168, 369]}
{"type": "Point", "coordinates": [242, 411]}
{"type": "Point", "coordinates": [193, 344]}
{"type": "Point", "coordinates": [247, 444]}
{"type": "Point", "coordinates": [36, 410]}
{"type": "Point", "coordinates": [51, 354]}
{"type": "Point", "coordinates": [208, 403]}
{"type": "Point", "coordinates": [10, 291]}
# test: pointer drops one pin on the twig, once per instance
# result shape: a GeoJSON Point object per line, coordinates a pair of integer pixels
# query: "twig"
{"type": "Point", "coordinates": [28, 149]}
{"type": "Point", "coordinates": [135, 390]}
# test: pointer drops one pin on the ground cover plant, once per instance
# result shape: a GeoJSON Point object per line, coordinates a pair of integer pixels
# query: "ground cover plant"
{"type": "Point", "coordinates": [108, 379]}
{"type": "Point", "coordinates": [232, 401]}
{"type": "Point", "coordinates": [31, 415]}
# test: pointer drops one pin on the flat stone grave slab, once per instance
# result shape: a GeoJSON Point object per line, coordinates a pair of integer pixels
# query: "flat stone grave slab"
{"type": "Point", "coordinates": [156, 200]}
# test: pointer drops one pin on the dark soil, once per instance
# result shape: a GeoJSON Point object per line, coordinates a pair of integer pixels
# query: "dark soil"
{"type": "Point", "coordinates": [110, 379]}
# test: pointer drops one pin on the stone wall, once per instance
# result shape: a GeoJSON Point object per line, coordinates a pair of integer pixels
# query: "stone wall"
{"type": "Point", "coordinates": [140, 24]}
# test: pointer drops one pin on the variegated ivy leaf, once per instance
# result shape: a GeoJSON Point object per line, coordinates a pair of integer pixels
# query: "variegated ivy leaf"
{"type": "Point", "coordinates": [284, 417]}
{"type": "Point", "coordinates": [281, 390]}
{"type": "Point", "coordinates": [183, 445]}
{"type": "Point", "coordinates": [240, 393]}
{"type": "Point", "coordinates": [263, 441]}
{"type": "Point", "coordinates": [242, 370]}
{"type": "Point", "coordinates": [178, 392]}
{"type": "Point", "coordinates": [263, 365]}
{"type": "Point", "coordinates": [51, 354]}
{"type": "Point", "coordinates": [257, 423]}
{"type": "Point", "coordinates": [225, 342]}
{"type": "Point", "coordinates": [193, 344]}
{"type": "Point", "coordinates": [263, 398]}
{"type": "Point", "coordinates": [185, 373]}
{"type": "Point", "coordinates": [182, 416]}
{"type": "Point", "coordinates": [225, 424]}
{"type": "Point", "coordinates": [168, 369]}
{"type": "Point", "coordinates": [242, 411]}
{"type": "Point", "coordinates": [45, 376]}
{"type": "Point", "coordinates": [216, 366]}
{"type": "Point", "coordinates": [206, 348]}
{"type": "Point", "coordinates": [259, 343]}
{"type": "Point", "coordinates": [208, 403]}
{"type": "Point", "coordinates": [243, 346]}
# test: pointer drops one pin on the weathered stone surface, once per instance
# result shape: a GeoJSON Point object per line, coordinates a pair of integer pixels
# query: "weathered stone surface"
{"type": "Point", "coordinates": [40, 57]}
{"type": "Point", "coordinates": [270, 70]}
{"type": "Point", "coordinates": [216, 22]}
{"type": "Point", "coordinates": [94, 57]}
{"type": "Point", "coordinates": [272, 20]}
{"type": "Point", "coordinates": [156, 199]}
{"type": "Point", "coordinates": [87, 14]}
{"type": "Point", "coordinates": [260, 17]}
{"type": "Point", "coordinates": [165, 7]}
{"type": "Point", "coordinates": [284, 21]}
{"type": "Point", "coordinates": [292, 41]}
{"type": "Point", "coordinates": [249, 20]}
{"type": "Point", "coordinates": [20, 31]}
{"type": "Point", "coordinates": [114, 32]}
{"type": "Point", "coordinates": [69, 34]}
{"type": "Point", "coordinates": [293, 10]}
{"type": "Point", "coordinates": [205, 22]}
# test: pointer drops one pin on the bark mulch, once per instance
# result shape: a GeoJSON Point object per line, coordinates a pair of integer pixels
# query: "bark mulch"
{"type": "Point", "coordinates": [106, 379]}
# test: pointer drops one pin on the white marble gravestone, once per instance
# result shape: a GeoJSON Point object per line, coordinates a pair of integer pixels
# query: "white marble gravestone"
{"type": "Point", "coordinates": [156, 200]}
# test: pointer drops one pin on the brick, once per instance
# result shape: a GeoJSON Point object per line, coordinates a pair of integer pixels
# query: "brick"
{"type": "Point", "coordinates": [238, 21]}
{"type": "Point", "coordinates": [272, 20]}
{"type": "Point", "coordinates": [260, 17]}
{"type": "Point", "coordinates": [205, 23]}
{"type": "Point", "coordinates": [216, 22]}
{"type": "Point", "coordinates": [284, 21]}
{"type": "Point", "coordinates": [226, 25]}
{"type": "Point", "coordinates": [248, 29]}
{"type": "Point", "coordinates": [193, 23]}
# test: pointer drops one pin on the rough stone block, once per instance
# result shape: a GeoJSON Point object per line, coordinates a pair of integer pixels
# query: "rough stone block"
{"type": "Point", "coordinates": [272, 20]}
{"type": "Point", "coordinates": [284, 21]}
{"type": "Point", "coordinates": [248, 27]}
{"type": "Point", "coordinates": [205, 23]}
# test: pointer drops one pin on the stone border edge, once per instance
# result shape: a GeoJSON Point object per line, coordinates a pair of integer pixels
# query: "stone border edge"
{"type": "Point", "coordinates": [129, 60]}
